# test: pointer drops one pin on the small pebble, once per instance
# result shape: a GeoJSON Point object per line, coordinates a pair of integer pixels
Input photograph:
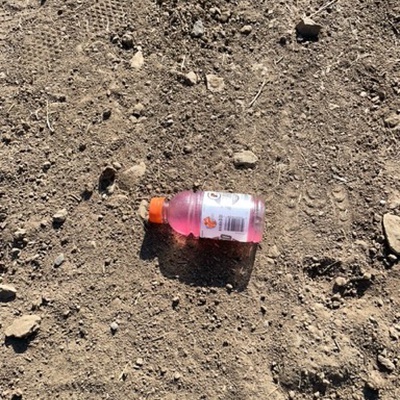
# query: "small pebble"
{"type": "Point", "coordinates": [340, 282]}
{"type": "Point", "coordinates": [175, 301]}
{"type": "Point", "coordinates": [137, 60]}
{"type": "Point", "coordinates": [191, 78]}
{"type": "Point", "coordinates": [114, 327]}
{"type": "Point", "coordinates": [60, 216]}
{"type": "Point", "coordinates": [188, 149]}
{"type": "Point", "coordinates": [138, 110]}
{"type": "Point", "coordinates": [7, 292]}
{"type": "Point", "coordinates": [394, 333]}
{"type": "Point", "coordinates": [46, 165]}
{"type": "Point", "coordinates": [143, 209]}
{"type": "Point", "coordinates": [19, 234]}
{"type": "Point", "coordinates": [246, 30]}
{"type": "Point", "coordinates": [59, 260]}
{"type": "Point", "coordinates": [386, 363]}
{"type": "Point", "coordinates": [177, 376]}
{"type": "Point", "coordinates": [139, 361]}
{"type": "Point", "coordinates": [106, 114]}
{"type": "Point", "coordinates": [198, 29]}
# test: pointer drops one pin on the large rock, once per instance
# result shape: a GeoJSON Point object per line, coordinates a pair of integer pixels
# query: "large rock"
{"type": "Point", "coordinates": [308, 29]}
{"type": "Point", "coordinates": [7, 292]}
{"type": "Point", "coordinates": [24, 326]}
{"type": "Point", "coordinates": [245, 159]}
{"type": "Point", "coordinates": [391, 227]}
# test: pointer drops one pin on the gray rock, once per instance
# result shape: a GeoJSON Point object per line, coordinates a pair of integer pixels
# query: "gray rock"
{"type": "Point", "coordinates": [59, 260]}
{"type": "Point", "coordinates": [391, 227]}
{"type": "Point", "coordinates": [392, 120]}
{"type": "Point", "coordinates": [386, 363]}
{"type": "Point", "coordinates": [245, 159]}
{"type": "Point", "coordinates": [215, 83]}
{"type": "Point", "coordinates": [7, 292]}
{"type": "Point", "coordinates": [24, 326]}
{"type": "Point", "coordinates": [308, 29]}
{"type": "Point", "coordinates": [60, 216]}
{"type": "Point", "coordinates": [198, 29]}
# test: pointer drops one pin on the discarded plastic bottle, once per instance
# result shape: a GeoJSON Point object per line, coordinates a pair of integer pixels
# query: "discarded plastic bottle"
{"type": "Point", "coordinates": [213, 215]}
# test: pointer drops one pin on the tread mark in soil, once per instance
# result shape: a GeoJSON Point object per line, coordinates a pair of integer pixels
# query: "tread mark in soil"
{"type": "Point", "coordinates": [105, 15]}
{"type": "Point", "coordinates": [341, 204]}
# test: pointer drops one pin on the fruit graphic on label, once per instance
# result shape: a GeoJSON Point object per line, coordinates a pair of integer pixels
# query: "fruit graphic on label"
{"type": "Point", "coordinates": [209, 222]}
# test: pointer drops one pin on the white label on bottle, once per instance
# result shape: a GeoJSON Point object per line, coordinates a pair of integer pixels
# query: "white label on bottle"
{"type": "Point", "coordinates": [225, 216]}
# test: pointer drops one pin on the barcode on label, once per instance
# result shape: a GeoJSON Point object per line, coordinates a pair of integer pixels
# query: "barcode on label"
{"type": "Point", "coordinates": [234, 224]}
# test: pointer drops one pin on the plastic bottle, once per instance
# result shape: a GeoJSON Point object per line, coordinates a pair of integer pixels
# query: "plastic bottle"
{"type": "Point", "coordinates": [213, 215]}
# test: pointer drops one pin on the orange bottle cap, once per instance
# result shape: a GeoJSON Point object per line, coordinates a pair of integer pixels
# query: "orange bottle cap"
{"type": "Point", "coordinates": [156, 210]}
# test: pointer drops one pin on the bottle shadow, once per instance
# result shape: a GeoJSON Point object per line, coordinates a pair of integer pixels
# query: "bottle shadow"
{"type": "Point", "coordinates": [199, 262]}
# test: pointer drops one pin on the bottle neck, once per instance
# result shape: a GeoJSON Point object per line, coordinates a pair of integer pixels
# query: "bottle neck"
{"type": "Point", "coordinates": [165, 210]}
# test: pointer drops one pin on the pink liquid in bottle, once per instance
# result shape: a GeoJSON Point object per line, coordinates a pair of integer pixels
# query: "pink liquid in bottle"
{"type": "Point", "coordinates": [214, 215]}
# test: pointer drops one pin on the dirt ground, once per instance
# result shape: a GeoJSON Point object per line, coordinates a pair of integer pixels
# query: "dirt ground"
{"type": "Point", "coordinates": [133, 311]}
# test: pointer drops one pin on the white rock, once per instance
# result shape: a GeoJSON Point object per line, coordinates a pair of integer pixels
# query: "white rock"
{"type": "Point", "coordinates": [137, 60]}
{"type": "Point", "coordinates": [391, 226]}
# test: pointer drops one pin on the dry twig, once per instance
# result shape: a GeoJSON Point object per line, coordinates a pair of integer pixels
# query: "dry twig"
{"type": "Point", "coordinates": [323, 8]}
{"type": "Point", "coordinates": [258, 94]}
{"type": "Point", "coordinates": [47, 117]}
